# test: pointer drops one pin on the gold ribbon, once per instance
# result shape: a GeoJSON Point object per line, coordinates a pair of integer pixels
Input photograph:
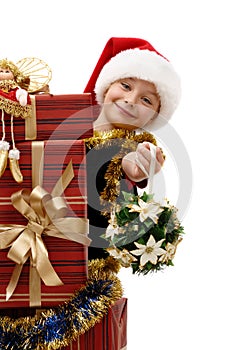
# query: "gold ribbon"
{"type": "Point", "coordinates": [45, 213]}
{"type": "Point", "coordinates": [31, 122]}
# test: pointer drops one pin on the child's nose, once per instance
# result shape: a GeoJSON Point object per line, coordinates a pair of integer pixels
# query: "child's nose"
{"type": "Point", "coordinates": [131, 99]}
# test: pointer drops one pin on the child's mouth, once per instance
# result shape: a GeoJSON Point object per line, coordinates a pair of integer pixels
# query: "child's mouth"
{"type": "Point", "coordinates": [124, 111]}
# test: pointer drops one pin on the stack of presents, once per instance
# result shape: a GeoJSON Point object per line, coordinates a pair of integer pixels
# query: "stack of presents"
{"type": "Point", "coordinates": [43, 220]}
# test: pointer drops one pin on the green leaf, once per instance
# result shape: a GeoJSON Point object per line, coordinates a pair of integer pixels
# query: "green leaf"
{"type": "Point", "coordinates": [135, 267]}
{"type": "Point", "coordinates": [158, 232]}
{"type": "Point", "coordinates": [149, 223]}
{"type": "Point", "coordinates": [128, 197]}
{"type": "Point", "coordinates": [142, 240]}
{"type": "Point", "coordinates": [144, 196]}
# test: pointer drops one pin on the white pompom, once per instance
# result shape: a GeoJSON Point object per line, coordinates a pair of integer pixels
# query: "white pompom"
{"type": "Point", "coordinates": [21, 96]}
{"type": "Point", "coordinates": [14, 153]}
{"type": "Point", "coordinates": [4, 145]}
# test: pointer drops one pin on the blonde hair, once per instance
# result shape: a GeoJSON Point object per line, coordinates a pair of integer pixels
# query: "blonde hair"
{"type": "Point", "coordinates": [22, 80]}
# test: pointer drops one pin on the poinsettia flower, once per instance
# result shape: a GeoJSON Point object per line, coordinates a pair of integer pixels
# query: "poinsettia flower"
{"type": "Point", "coordinates": [123, 256]}
{"type": "Point", "coordinates": [111, 231]}
{"type": "Point", "coordinates": [146, 210]}
{"type": "Point", "coordinates": [149, 252]}
{"type": "Point", "coordinates": [170, 251]}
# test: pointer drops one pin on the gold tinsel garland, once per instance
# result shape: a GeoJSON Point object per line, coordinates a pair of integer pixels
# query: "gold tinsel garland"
{"type": "Point", "coordinates": [128, 141]}
{"type": "Point", "coordinates": [57, 327]}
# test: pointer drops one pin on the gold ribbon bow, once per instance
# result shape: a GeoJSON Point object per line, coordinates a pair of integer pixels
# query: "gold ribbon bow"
{"type": "Point", "coordinates": [46, 215]}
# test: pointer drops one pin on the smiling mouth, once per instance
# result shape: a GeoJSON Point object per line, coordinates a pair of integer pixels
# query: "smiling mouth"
{"type": "Point", "coordinates": [124, 111]}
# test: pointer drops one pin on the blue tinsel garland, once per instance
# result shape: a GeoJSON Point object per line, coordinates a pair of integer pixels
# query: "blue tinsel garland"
{"type": "Point", "coordinates": [58, 326]}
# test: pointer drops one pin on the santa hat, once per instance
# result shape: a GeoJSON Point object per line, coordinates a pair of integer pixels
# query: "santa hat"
{"type": "Point", "coordinates": [133, 57]}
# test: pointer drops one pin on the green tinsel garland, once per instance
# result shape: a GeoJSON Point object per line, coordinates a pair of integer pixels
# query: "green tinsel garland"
{"type": "Point", "coordinates": [57, 327]}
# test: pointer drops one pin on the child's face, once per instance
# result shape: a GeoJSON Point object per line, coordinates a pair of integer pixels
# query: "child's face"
{"type": "Point", "coordinates": [6, 74]}
{"type": "Point", "coordinates": [131, 103]}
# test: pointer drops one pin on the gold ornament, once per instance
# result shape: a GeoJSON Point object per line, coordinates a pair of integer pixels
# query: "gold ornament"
{"type": "Point", "coordinates": [3, 160]}
{"type": "Point", "coordinates": [15, 170]}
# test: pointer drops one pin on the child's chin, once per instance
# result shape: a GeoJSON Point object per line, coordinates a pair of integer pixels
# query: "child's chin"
{"type": "Point", "coordinates": [127, 126]}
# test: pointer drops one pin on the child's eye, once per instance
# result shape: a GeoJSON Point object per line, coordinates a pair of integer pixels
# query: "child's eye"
{"type": "Point", "coordinates": [125, 85]}
{"type": "Point", "coordinates": [147, 100]}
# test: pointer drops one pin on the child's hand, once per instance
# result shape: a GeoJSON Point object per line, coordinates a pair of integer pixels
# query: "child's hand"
{"type": "Point", "coordinates": [136, 165]}
{"type": "Point", "coordinates": [21, 96]}
{"type": "Point", "coordinates": [144, 158]}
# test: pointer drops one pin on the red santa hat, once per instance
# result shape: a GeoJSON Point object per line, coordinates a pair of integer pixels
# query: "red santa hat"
{"type": "Point", "coordinates": [133, 57]}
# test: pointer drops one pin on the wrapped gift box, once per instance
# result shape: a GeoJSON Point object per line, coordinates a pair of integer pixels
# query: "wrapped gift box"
{"type": "Point", "coordinates": [109, 334]}
{"type": "Point", "coordinates": [68, 258]}
{"type": "Point", "coordinates": [57, 117]}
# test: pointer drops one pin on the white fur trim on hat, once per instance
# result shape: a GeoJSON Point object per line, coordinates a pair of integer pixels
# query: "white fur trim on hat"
{"type": "Point", "coordinates": [146, 65]}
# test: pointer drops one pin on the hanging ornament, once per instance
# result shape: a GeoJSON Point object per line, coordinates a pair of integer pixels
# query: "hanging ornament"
{"type": "Point", "coordinates": [29, 75]}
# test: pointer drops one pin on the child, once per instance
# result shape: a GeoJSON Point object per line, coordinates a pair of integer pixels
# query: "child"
{"type": "Point", "coordinates": [138, 91]}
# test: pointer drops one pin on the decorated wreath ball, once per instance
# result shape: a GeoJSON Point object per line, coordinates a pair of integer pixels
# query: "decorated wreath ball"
{"type": "Point", "coordinates": [143, 234]}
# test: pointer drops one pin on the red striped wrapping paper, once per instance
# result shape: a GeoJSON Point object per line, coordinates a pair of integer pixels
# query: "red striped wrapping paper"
{"type": "Point", "coordinates": [68, 258]}
{"type": "Point", "coordinates": [57, 117]}
{"type": "Point", "coordinates": [109, 334]}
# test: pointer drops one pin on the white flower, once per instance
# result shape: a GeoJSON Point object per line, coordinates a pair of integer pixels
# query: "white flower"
{"type": "Point", "coordinates": [111, 231]}
{"type": "Point", "coordinates": [149, 252]}
{"type": "Point", "coordinates": [123, 256]}
{"type": "Point", "coordinates": [146, 210]}
{"type": "Point", "coordinates": [170, 251]}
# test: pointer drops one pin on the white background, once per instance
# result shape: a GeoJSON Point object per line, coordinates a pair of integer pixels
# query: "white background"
{"type": "Point", "coordinates": [188, 306]}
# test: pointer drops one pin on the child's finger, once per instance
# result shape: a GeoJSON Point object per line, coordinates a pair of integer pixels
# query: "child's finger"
{"type": "Point", "coordinates": [143, 156]}
{"type": "Point", "coordinates": [142, 163]}
{"type": "Point", "coordinates": [160, 156]}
